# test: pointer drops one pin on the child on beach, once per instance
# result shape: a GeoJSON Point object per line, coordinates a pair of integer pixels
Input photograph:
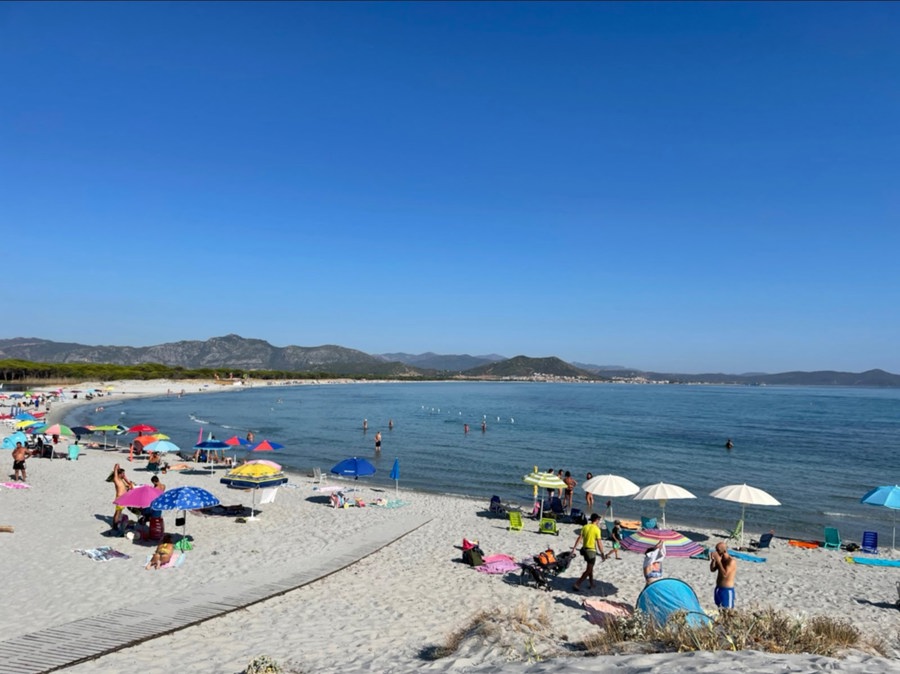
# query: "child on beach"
{"type": "Point", "coordinates": [616, 536]}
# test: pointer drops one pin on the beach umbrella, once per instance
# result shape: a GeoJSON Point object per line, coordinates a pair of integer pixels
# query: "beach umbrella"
{"type": "Point", "coordinates": [662, 492]}
{"type": "Point", "coordinates": [27, 423]}
{"type": "Point", "coordinates": [184, 498]}
{"type": "Point", "coordinates": [106, 428]}
{"type": "Point", "coordinates": [82, 430]}
{"type": "Point", "coordinates": [58, 429]}
{"type": "Point", "coordinates": [211, 446]}
{"type": "Point", "coordinates": [544, 481]}
{"type": "Point", "coordinates": [395, 475]}
{"type": "Point", "coordinates": [162, 447]}
{"type": "Point", "coordinates": [266, 446]}
{"type": "Point", "coordinates": [745, 495]}
{"type": "Point", "coordinates": [887, 497]}
{"type": "Point", "coordinates": [24, 416]}
{"type": "Point", "coordinates": [235, 441]}
{"type": "Point", "coordinates": [677, 545]}
{"type": "Point", "coordinates": [263, 462]}
{"type": "Point", "coordinates": [253, 476]}
{"type": "Point", "coordinates": [609, 486]}
{"type": "Point", "coordinates": [139, 497]}
{"type": "Point", "coordinates": [354, 467]}
{"type": "Point", "coordinates": [142, 428]}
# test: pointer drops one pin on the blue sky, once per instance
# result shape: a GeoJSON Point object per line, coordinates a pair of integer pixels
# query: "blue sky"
{"type": "Point", "coordinates": [678, 187]}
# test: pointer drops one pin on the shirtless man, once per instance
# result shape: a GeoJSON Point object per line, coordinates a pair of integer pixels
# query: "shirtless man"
{"type": "Point", "coordinates": [122, 484]}
{"type": "Point", "coordinates": [725, 567]}
{"type": "Point", "coordinates": [18, 455]}
{"type": "Point", "coordinates": [378, 441]}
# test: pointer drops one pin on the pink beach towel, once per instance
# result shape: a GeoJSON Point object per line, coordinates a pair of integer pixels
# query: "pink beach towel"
{"type": "Point", "coordinates": [15, 485]}
{"type": "Point", "coordinates": [497, 564]}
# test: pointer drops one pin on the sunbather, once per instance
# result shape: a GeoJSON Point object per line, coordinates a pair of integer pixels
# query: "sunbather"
{"type": "Point", "coordinates": [163, 554]}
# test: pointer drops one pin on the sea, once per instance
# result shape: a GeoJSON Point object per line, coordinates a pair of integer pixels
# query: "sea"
{"type": "Point", "coordinates": [816, 450]}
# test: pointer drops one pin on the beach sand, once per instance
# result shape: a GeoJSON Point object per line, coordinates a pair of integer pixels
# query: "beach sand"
{"type": "Point", "coordinates": [379, 614]}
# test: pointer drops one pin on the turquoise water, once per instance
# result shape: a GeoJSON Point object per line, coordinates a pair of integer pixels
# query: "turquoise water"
{"type": "Point", "coordinates": [817, 450]}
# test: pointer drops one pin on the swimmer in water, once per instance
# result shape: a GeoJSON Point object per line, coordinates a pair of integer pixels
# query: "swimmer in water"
{"type": "Point", "coordinates": [729, 444]}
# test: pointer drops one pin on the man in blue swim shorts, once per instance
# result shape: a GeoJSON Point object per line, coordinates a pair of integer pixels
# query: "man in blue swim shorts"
{"type": "Point", "coordinates": [725, 567]}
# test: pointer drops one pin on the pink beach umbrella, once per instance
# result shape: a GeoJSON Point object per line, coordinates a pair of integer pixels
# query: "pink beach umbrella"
{"type": "Point", "coordinates": [139, 497]}
{"type": "Point", "coordinates": [264, 462]}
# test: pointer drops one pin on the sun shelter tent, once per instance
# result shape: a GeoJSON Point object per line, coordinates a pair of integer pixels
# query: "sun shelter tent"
{"type": "Point", "coordinates": [663, 598]}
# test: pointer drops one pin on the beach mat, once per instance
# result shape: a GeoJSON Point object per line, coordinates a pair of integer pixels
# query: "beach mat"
{"type": "Point", "coordinates": [746, 557]}
{"type": "Point", "coordinates": [804, 544]}
{"type": "Point", "coordinates": [871, 561]}
{"type": "Point", "coordinates": [103, 554]}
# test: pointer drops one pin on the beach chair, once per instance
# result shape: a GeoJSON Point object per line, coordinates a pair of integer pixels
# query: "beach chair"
{"type": "Point", "coordinates": [832, 538]}
{"type": "Point", "coordinates": [556, 507]}
{"type": "Point", "coordinates": [737, 533]}
{"type": "Point", "coordinates": [764, 541]}
{"type": "Point", "coordinates": [74, 450]}
{"type": "Point", "coordinates": [496, 506]}
{"type": "Point", "coordinates": [548, 526]}
{"type": "Point", "coordinates": [515, 520]}
{"type": "Point", "coordinates": [870, 542]}
{"type": "Point", "coordinates": [318, 477]}
{"type": "Point", "coordinates": [648, 523]}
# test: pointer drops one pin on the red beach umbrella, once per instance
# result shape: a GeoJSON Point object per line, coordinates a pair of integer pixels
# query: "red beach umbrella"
{"type": "Point", "coordinates": [142, 428]}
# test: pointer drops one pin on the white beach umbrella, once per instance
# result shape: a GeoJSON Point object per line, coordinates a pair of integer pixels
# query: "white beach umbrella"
{"type": "Point", "coordinates": [610, 485]}
{"type": "Point", "coordinates": [544, 481]}
{"type": "Point", "coordinates": [662, 492]}
{"type": "Point", "coordinates": [745, 495]}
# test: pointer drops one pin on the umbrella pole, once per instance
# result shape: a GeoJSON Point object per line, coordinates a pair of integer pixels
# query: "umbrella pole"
{"type": "Point", "coordinates": [743, 524]}
{"type": "Point", "coordinates": [252, 517]}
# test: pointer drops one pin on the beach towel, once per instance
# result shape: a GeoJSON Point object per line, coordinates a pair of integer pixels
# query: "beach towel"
{"type": "Point", "coordinates": [804, 544]}
{"type": "Point", "coordinates": [175, 561]}
{"type": "Point", "coordinates": [15, 485]}
{"type": "Point", "coordinates": [102, 554]}
{"type": "Point", "coordinates": [872, 561]}
{"type": "Point", "coordinates": [746, 557]}
{"type": "Point", "coordinates": [601, 611]}
{"type": "Point", "coordinates": [498, 564]}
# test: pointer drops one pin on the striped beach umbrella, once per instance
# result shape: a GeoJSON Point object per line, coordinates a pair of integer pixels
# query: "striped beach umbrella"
{"type": "Point", "coordinates": [677, 545]}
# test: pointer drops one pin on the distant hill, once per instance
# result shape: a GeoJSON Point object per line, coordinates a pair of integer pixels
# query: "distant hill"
{"type": "Point", "coordinates": [447, 363]}
{"type": "Point", "coordinates": [234, 351]}
{"type": "Point", "coordinates": [523, 366]}
{"type": "Point", "coordinates": [230, 351]}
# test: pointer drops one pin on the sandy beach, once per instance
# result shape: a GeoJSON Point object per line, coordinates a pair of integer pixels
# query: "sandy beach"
{"type": "Point", "coordinates": [378, 614]}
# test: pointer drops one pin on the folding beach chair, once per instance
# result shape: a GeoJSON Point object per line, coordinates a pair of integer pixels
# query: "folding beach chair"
{"type": "Point", "coordinates": [737, 533]}
{"type": "Point", "coordinates": [870, 542]}
{"type": "Point", "coordinates": [548, 526]}
{"type": "Point", "coordinates": [496, 506]}
{"type": "Point", "coordinates": [556, 507]}
{"type": "Point", "coordinates": [832, 538]}
{"type": "Point", "coordinates": [764, 541]}
{"type": "Point", "coordinates": [515, 521]}
{"type": "Point", "coordinates": [648, 523]}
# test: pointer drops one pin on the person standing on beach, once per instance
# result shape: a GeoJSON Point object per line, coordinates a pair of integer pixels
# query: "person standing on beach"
{"type": "Point", "coordinates": [18, 456]}
{"type": "Point", "coordinates": [570, 490]}
{"type": "Point", "coordinates": [589, 497]}
{"type": "Point", "coordinates": [377, 442]}
{"type": "Point", "coordinates": [592, 545]}
{"type": "Point", "coordinates": [122, 485]}
{"type": "Point", "coordinates": [725, 567]}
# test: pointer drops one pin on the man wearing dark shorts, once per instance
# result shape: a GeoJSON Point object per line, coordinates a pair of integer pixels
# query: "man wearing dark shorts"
{"type": "Point", "coordinates": [592, 545]}
{"type": "Point", "coordinates": [19, 454]}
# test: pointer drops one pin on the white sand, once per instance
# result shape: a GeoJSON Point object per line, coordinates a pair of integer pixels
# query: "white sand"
{"type": "Point", "coordinates": [377, 615]}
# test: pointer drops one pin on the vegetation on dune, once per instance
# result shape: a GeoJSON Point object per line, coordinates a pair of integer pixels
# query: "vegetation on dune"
{"type": "Point", "coordinates": [526, 635]}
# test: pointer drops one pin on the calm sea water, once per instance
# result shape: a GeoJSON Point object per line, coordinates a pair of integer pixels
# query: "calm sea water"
{"type": "Point", "coordinates": [817, 450]}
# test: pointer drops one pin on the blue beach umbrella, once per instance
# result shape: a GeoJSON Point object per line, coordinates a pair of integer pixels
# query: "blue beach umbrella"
{"type": "Point", "coordinates": [354, 467]}
{"type": "Point", "coordinates": [212, 446]}
{"type": "Point", "coordinates": [25, 416]}
{"type": "Point", "coordinates": [184, 498]}
{"type": "Point", "coordinates": [162, 447]}
{"type": "Point", "coordinates": [395, 475]}
{"type": "Point", "coordinates": [887, 497]}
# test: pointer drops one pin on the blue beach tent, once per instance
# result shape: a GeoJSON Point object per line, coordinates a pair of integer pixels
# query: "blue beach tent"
{"type": "Point", "coordinates": [666, 596]}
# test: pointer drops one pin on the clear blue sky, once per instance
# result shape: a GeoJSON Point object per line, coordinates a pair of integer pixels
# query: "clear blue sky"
{"type": "Point", "coordinates": [678, 187]}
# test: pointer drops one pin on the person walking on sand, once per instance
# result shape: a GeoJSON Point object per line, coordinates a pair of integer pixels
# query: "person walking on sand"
{"type": "Point", "coordinates": [18, 457]}
{"type": "Point", "coordinates": [592, 545]}
{"type": "Point", "coordinates": [725, 567]}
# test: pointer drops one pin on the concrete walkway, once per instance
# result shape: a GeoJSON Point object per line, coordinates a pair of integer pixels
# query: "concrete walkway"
{"type": "Point", "coordinates": [63, 645]}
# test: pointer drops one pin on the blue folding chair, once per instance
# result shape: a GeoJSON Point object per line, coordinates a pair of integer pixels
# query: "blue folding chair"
{"type": "Point", "coordinates": [870, 542]}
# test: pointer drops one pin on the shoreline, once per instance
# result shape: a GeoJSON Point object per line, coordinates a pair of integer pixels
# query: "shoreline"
{"type": "Point", "coordinates": [381, 612]}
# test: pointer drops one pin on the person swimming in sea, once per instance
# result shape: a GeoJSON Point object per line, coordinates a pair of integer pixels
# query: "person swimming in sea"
{"type": "Point", "coordinates": [729, 444]}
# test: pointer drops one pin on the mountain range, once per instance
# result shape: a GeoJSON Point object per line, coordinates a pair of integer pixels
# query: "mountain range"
{"type": "Point", "coordinates": [240, 353]}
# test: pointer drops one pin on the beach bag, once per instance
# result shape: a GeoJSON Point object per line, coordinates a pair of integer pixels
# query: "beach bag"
{"type": "Point", "coordinates": [473, 556]}
{"type": "Point", "coordinates": [546, 557]}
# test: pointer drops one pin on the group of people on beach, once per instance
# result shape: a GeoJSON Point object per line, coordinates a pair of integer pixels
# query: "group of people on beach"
{"type": "Point", "coordinates": [590, 537]}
